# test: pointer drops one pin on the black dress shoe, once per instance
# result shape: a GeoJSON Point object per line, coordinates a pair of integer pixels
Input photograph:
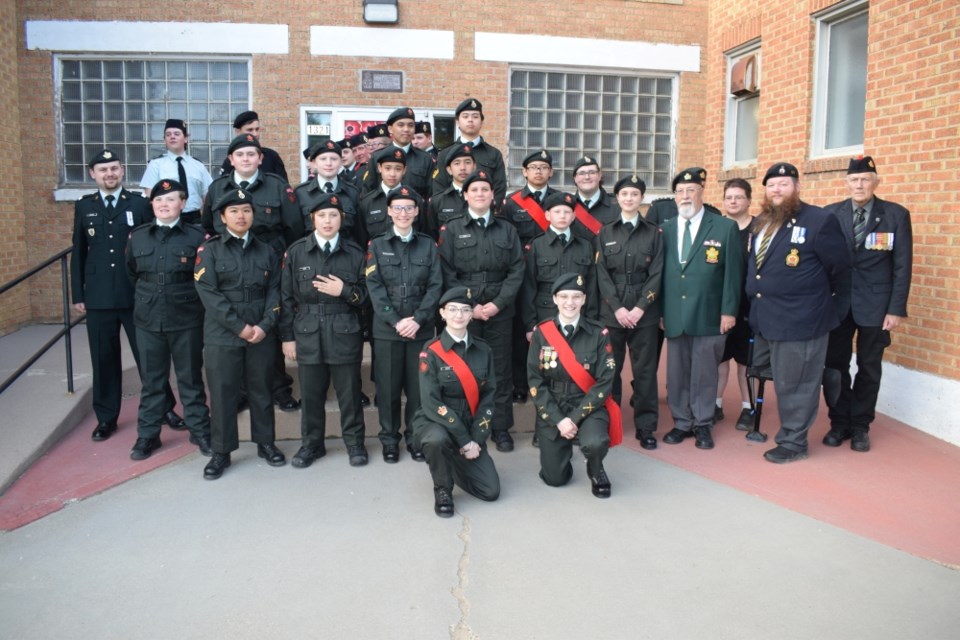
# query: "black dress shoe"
{"type": "Point", "coordinates": [391, 453]}
{"type": "Point", "coordinates": [647, 439]}
{"type": "Point", "coordinates": [103, 431]}
{"type": "Point", "coordinates": [703, 437]}
{"type": "Point", "coordinates": [503, 440]}
{"type": "Point", "coordinates": [364, 400]}
{"type": "Point", "coordinates": [416, 453]}
{"type": "Point", "coordinates": [600, 485]}
{"type": "Point", "coordinates": [676, 436]}
{"type": "Point", "coordinates": [203, 444]}
{"type": "Point", "coordinates": [175, 422]}
{"type": "Point", "coordinates": [285, 402]}
{"type": "Point", "coordinates": [443, 502]}
{"type": "Point", "coordinates": [357, 454]}
{"type": "Point", "coordinates": [305, 456]}
{"type": "Point", "coordinates": [271, 454]}
{"type": "Point", "coordinates": [144, 448]}
{"type": "Point", "coordinates": [215, 467]}
{"type": "Point", "coordinates": [781, 455]}
{"type": "Point", "coordinates": [519, 396]}
{"type": "Point", "coordinates": [717, 414]}
{"type": "Point", "coordinates": [836, 436]}
{"type": "Point", "coordinates": [860, 441]}
{"type": "Point", "coordinates": [536, 439]}
{"type": "Point", "coordinates": [745, 421]}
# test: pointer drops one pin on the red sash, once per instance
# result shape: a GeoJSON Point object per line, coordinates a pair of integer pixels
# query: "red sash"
{"type": "Point", "coordinates": [467, 380]}
{"type": "Point", "coordinates": [586, 219]}
{"type": "Point", "coordinates": [582, 378]}
{"type": "Point", "coordinates": [535, 210]}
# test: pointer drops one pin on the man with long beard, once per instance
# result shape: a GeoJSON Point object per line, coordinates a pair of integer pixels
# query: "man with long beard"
{"type": "Point", "coordinates": [797, 259]}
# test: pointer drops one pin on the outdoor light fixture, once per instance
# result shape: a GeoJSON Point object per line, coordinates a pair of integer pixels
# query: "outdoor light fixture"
{"type": "Point", "coordinates": [380, 11]}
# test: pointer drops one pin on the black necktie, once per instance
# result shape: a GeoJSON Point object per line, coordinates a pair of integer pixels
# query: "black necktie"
{"type": "Point", "coordinates": [568, 330]}
{"type": "Point", "coordinates": [110, 200]}
{"type": "Point", "coordinates": [182, 176]}
{"type": "Point", "coordinates": [328, 187]}
{"type": "Point", "coordinates": [859, 226]}
{"type": "Point", "coordinates": [563, 239]}
{"type": "Point", "coordinates": [326, 249]}
{"type": "Point", "coordinates": [629, 226]}
{"type": "Point", "coordinates": [244, 184]}
{"type": "Point", "coordinates": [481, 222]}
{"type": "Point", "coordinates": [536, 196]}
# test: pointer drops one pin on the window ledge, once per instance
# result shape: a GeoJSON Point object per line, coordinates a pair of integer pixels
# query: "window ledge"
{"type": "Point", "coordinates": [826, 165]}
{"type": "Point", "coordinates": [744, 173]}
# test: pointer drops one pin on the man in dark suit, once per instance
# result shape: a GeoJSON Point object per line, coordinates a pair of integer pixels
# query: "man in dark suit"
{"type": "Point", "coordinates": [797, 261]}
{"type": "Point", "coordinates": [249, 122]}
{"type": "Point", "coordinates": [102, 223]}
{"type": "Point", "coordinates": [871, 303]}
{"type": "Point", "coordinates": [702, 274]}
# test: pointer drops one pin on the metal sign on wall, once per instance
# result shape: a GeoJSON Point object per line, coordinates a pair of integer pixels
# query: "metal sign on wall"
{"type": "Point", "coordinates": [381, 81]}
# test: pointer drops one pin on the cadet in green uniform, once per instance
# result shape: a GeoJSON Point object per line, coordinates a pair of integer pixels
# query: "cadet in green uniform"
{"type": "Point", "coordinates": [329, 178]}
{"type": "Point", "coordinates": [469, 115]}
{"type": "Point", "coordinates": [457, 407]}
{"type": "Point", "coordinates": [420, 164]}
{"type": "Point", "coordinates": [570, 367]}
{"type": "Point", "coordinates": [481, 251]}
{"type": "Point", "coordinates": [372, 218]}
{"type": "Point", "coordinates": [629, 270]}
{"type": "Point", "coordinates": [596, 206]}
{"type": "Point", "coordinates": [405, 283]}
{"type": "Point", "coordinates": [323, 291]}
{"type": "Point", "coordinates": [169, 318]}
{"type": "Point", "coordinates": [238, 279]}
{"type": "Point", "coordinates": [423, 139]}
{"type": "Point", "coordinates": [449, 203]}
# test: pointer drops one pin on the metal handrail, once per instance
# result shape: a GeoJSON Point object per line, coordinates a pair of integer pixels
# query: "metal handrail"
{"type": "Point", "coordinates": [62, 333]}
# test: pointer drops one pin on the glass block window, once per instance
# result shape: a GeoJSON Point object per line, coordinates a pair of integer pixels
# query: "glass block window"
{"type": "Point", "coordinates": [625, 121]}
{"type": "Point", "coordinates": [123, 104]}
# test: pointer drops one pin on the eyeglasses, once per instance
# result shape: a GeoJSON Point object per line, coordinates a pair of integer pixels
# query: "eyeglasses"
{"type": "Point", "coordinates": [587, 174]}
{"type": "Point", "coordinates": [539, 168]}
{"type": "Point", "coordinates": [459, 311]}
{"type": "Point", "coordinates": [405, 208]}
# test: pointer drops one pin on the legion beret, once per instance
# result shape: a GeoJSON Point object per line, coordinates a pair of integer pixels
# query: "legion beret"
{"type": "Point", "coordinates": [569, 282]}
{"type": "Point", "coordinates": [243, 140]}
{"type": "Point", "coordinates": [459, 151]}
{"type": "Point", "coordinates": [630, 181]}
{"type": "Point", "coordinates": [357, 140]}
{"type": "Point", "coordinates": [557, 198]}
{"type": "Point", "coordinates": [861, 164]}
{"type": "Point", "coordinates": [166, 186]}
{"type": "Point", "coordinates": [391, 154]}
{"type": "Point", "coordinates": [328, 201]}
{"type": "Point", "coordinates": [404, 192]}
{"type": "Point", "coordinates": [173, 123]}
{"type": "Point", "coordinates": [542, 155]}
{"type": "Point", "coordinates": [463, 295]}
{"type": "Point", "coordinates": [324, 147]}
{"type": "Point", "coordinates": [424, 128]}
{"type": "Point", "coordinates": [400, 114]}
{"type": "Point", "coordinates": [470, 104]}
{"type": "Point", "coordinates": [377, 131]}
{"type": "Point", "coordinates": [103, 157]}
{"type": "Point", "coordinates": [477, 176]}
{"type": "Point", "coordinates": [232, 197]}
{"type": "Point", "coordinates": [244, 118]}
{"type": "Point", "coordinates": [781, 170]}
{"type": "Point", "coordinates": [585, 161]}
{"type": "Point", "coordinates": [693, 175]}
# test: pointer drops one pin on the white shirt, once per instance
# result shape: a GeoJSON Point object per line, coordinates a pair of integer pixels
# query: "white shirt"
{"type": "Point", "coordinates": [237, 179]}
{"type": "Point", "coordinates": [165, 168]}
{"type": "Point", "coordinates": [334, 181]}
{"type": "Point", "coordinates": [565, 233]}
{"type": "Point", "coordinates": [115, 194]}
{"type": "Point", "coordinates": [456, 339]}
{"type": "Point", "coordinates": [245, 237]}
{"type": "Point", "coordinates": [589, 202]}
{"type": "Point", "coordinates": [322, 241]}
{"type": "Point", "coordinates": [406, 238]}
{"type": "Point", "coordinates": [694, 228]}
{"type": "Point", "coordinates": [486, 217]}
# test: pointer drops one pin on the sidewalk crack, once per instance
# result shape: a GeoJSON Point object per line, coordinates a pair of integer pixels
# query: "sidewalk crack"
{"type": "Point", "coordinates": [461, 630]}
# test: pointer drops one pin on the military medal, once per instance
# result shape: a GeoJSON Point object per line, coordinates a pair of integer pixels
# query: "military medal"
{"type": "Point", "coordinates": [798, 235]}
{"type": "Point", "coordinates": [793, 258]}
{"type": "Point", "coordinates": [553, 359]}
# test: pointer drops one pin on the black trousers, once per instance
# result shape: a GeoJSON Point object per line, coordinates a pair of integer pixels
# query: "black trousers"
{"type": "Point", "coordinates": [644, 357]}
{"type": "Point", "coordinates": [156, 349]}
{"type": "Point", "coordinates": [226, 368]}
{"type": "Point", "coordinates": [314, 381]}
{"type": "Point", "coordinates": [857, 405]}
{"type": "Point", "coordinates": [395, 370]}
{"type": "Point", "coordinates": [498, 333]}
{"type": "Point", "coordinates": [477, 477]}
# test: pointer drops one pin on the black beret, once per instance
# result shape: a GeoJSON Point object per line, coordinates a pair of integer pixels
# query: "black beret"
{"type": "Point", "coordinates": [324, 147]}
{"type": "Point", "coordinates": [232, 197]}
{"type": "Point", "coordinates": [470, 104]}
{"type": "Point", "coordinates": [400, 114]}
{"type": "Point", "coordinates": [306, 152]}
{"type": "Point", "coordinates": [404, 193]}
{"type": "Point", "coordinates": [693, 175]}
{"type": "Point", "coordinates": [477, 176]}
{"type": "Point", "coordinates": [173, 123]}
{"type": "Point", "coordinates": [630, 181]}
{"type": "Point", "coordinates": [166, 186]}
{"type": "Point", "coordinates": [357, 140]}
{"type": "Point", "coordinates": [542, 155]}
{"type": "Point", "coordinates": [391, 154]}
{"type": "Point", "coordinates": [377, 131]}
{"type": "Point", "coordinates": [328, 201]}
{"type": "Point", "coordinates": [569, 282]}
{"type": "Point", "coordinates": [244, 118]}
{"type": "Point", "coordinates": [424, 128]}
{"type": "Point", "coordinates": [462, 295]}
{"type": "Point", "coordinates": [103, 157]}
{"type": "Point", "coordinates": [585, 161]}
{"type": "Point", "coordinates": [781, 170]}
{"type": "Point", "coordinates": [557, 198]}
{"type": "Point", "coordinates": [861, 164]}
{"type": "Point", "coordinates": [243, 140]}
{"type": "Point", "coordinates": [345, 144]}
{"type": "Point", "coordinates": [459, 151]}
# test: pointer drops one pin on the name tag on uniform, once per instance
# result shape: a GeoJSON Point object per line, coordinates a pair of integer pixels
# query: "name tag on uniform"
{"type": "Point", "coordinates": [464, 235]}
{"type": "Point", "coordinates": [879, 241]}
{"type": "Point", "coordinates": [129, 218]}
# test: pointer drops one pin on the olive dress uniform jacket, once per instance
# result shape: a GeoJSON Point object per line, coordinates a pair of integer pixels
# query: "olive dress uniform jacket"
{"type": "Point", "coordinates": [629, 270]}
{"type": "Point", "coordinates": [309, 193]}
{"type": "Point", "coordinates": [487, 260]}
{"type": "Point", "coordinates": [97, 272]}
{"type": "Point", "coordinates": [520, 217]}
{"type": "Point", "coordinates": [276, 214]}
{"type": "Point", "coordinates": [547, 258]}
{"type": "Point", "coordinates": [791, 294]}
{"type": "Point", "coordinates": [160, 262]}
{"type": "Point", "coordinates": [879, 280]}
{"type": "Point", "coordinates": [420, 167]}
{"type": "Point", "coordinates": [697, 293]}
{"type": "Point", "coordinates": [238, 286]}
{"type": "Point", "coordinates": [487, 157]}
{"type": "Point", "coordinates": [606, 210]}
{"type": "Point", "coordinates": [553, 390]}
{"type": "Point", "coordinates": [442, 399]}
{"type": "Point", "coordinates": [404, 280]}
{"type": "Point", "coordinates": [372, 217]}
{"type": "Point", "coordinates": [444, 207]}
{"type": "Point", "coordinates": [326, 328]}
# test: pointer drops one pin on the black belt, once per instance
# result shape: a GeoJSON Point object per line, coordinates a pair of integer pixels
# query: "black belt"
{"type": "Point", "coordinates": [406, 291]}
{"type": "Point", "coordinates": [628, 278]}
{"type": "Point", "coordinates": [325, 309]}
{"type": "Point", "coordinates": [165, 278]}
{"type": "Point", "coordinates": [566, 388]}
{"type": "Point", "coordinates": [247, 295]}
{"type": "Point", "coordinates": [483, 276]}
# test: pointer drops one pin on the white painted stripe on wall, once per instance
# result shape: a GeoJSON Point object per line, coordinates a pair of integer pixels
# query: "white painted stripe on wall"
{"type": "Point", "coordinates": [924, 401]}
{"type": "Point", "coordinates": [157, 37]}
{"type": "Point", "coordinates": [585, 52]}
{"type": "Point", "coordinates": [381, 42]}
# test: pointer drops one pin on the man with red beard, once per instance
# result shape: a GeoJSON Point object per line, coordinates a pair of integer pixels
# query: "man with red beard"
{"type": "Point", "coordinates": [797, 258]}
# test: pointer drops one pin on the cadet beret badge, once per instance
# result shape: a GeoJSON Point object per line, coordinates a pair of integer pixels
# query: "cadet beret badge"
{"type": "Point", "coordinates": [543, 154]}
{"type": "Point", "coordinates": [107, 155]}
{"type": "Point", "coordinates": [240, 195]}
{"type": "Point", "coordinates": [579, 281]}
{"type": "Point", "coordinates": [165, 184]}
{"type": "Point", "coordinates": [334, 200]}
{"type": "Point", "coordinates": [473, 103]}
{"type": "Point", "coordinates": [249, 138]}
{"type": "Point", "coordinates": [398, 154]}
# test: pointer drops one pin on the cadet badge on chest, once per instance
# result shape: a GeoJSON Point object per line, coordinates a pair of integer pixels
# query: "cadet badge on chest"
{"type": "Point", "coordinates": [548, 358]}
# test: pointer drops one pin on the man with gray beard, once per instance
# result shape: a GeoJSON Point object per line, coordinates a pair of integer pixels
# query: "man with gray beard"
{"type": "Point", "coordinates": [798, 257]}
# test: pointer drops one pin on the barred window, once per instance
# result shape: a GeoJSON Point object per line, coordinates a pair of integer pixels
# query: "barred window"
{"type": "Point", "coordinates": [625, 121]}
{"type": "Point", "coordinates": [123, 104]}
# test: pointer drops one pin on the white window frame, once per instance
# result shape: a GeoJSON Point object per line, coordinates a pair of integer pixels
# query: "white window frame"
{"type": "Point", "coordinates": [734, 102]}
